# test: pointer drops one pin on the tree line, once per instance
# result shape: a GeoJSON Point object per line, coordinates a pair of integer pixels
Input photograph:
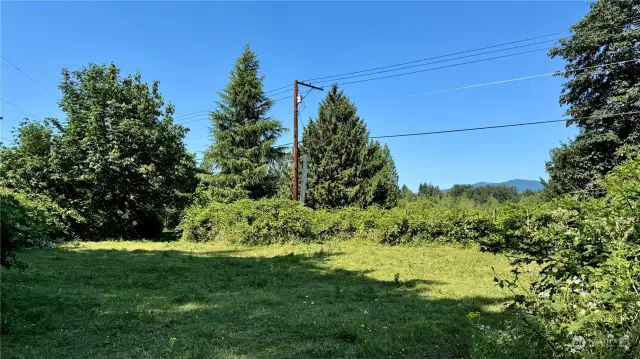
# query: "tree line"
{"type": "Point", "coordinates": [118, 159]}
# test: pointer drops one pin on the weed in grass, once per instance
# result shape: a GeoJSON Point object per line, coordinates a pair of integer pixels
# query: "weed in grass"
{"type": "Point", "coordinates": [185, 300]}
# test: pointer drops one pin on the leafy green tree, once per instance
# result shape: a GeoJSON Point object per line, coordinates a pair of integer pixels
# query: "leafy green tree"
{"type": "Point", "coordinates": [118, 159]}
{"type": "Point", "coordinates": [26, 164]}
{"type": "Point", "coordinates": [499, 192]}
{"type": "Point", "coordinates": [406, 193]}
{"type": "Point", "coordinates": [243, 153]}
{"type": "Point", "coordinates": [609, 33]}
{"type": "Point", "coordinates": [459, 190]}
{"type": "Point", "coordinates": [429, 190]}
{"type": "Point", "coordinates": [345, 167]}
{"type": "Point", "coordinates": [485, 194]}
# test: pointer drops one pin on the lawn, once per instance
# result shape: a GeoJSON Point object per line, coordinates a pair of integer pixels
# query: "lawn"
{"type": "Point", "coordinates": [185, 300]}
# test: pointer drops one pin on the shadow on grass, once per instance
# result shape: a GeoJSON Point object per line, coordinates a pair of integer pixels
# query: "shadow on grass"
{"type": "Point", "coordinates": [169, 304]}
{"type": "Point", "coordinates": [167, 236]}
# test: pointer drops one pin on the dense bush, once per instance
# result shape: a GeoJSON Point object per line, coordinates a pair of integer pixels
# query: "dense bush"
{"type": "Point", "coordinates": [30, 221]}
{"type": "Point", "coordinates": [485, 194]}
{"type": "Point", "coordinates": [276, 220]}
{"type": "Point", "coordinates": [249, 222]}
{"type": "Point", "coordinates": [586, 300]}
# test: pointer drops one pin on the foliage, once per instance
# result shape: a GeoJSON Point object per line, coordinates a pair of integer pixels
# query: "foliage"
{"type": "Point", "coordinates": [283, 170]}
{"type": "Point", "coordinates": [118, 159]}
{"type": "Point", "coordinates": [406, 193]}
{"type": "Point", "coordinates": [416, 222]}
{"type": "Point", "coordinates": [428, 190]}
{"type": "Point", "coordinates": [609, 33]}
{"type": "Point", "coordinates": [485, 194]}
{"type": "Point", "coordinates": [30, 220]}
{"type": "Point", "coordinates": [275, 220]}
{"type": "Point", "coordinates": [249, 222]}
{"type": "Point", "coordinates": [27, 163]}
{"type": "Point", "coordinates": [586, 300]}
{"type": "Point", "coordinates": [345, 167]}
{"type": "Point", "coordinates": [243, 151]}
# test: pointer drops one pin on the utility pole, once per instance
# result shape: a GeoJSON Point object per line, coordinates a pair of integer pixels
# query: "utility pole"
{"type": "Point", "coordinates": [295, 133]}
{"type": "Point", "coordinates": [295, 140]}
{"type": "Point", "coordinates": [303, 190]}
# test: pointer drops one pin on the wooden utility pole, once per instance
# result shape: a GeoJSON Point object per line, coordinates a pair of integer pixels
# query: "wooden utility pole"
{"type": "Point", "coordinates": [295, 134]}
{"type": "Point", "coordinates": [295, 140]}
{"type": "Point", "coordinates": [303, 190]}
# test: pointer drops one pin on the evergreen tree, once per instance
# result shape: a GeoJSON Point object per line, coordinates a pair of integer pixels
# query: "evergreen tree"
{"type": "Point", "coordinates": [428, 190]}
{"type": "Point", "coordinates": [609, 33]}
{"type": "Point", "coordinates": [243, 154]}
{"type": "Point", "coordinates": [405, 192]}
{"type": "Point", "coordinates": [345, 167]}
{"type": "Point", "coordinates": [379, 178]}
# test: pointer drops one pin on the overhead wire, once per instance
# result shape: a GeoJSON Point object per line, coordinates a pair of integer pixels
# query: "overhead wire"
{"type": "Point", "coordinates": [16, 106]}
{"type": "Point", "coordinates": [439, 67]}
{"type": "Point", "coordinates": [435, 57]}
{"type": "Point", "coordinates": [29, 77]}
{"type": "Point", "coordinates": [559, 72]}
{"type": "Point", "coordinates": [496, 126]}
{"type": "Point", "coordinates": [197, 113]}
{"type": "Point", "coordinates": [279, 88]}
{"type": "Point", "coordinates": [334, 77]}
{"type": "Point", "coordinates": [454, 53]}
{"type": "Point", "coordinates": [436, 62]}
{"type": "Point", "coordinates": [502, 81]}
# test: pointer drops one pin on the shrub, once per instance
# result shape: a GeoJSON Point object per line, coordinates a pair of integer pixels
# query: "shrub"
{"type": "Point", "coordinates": [586, 299]}
{"type": "Point", "coordinates": [249, 222]}
{"type": "Point", "coordinates": [275, 220]}
{"type": "Point", "coordinates": [30, 221]}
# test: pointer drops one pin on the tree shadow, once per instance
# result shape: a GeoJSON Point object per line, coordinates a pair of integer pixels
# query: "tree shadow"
{"type": "Point", "coordinates": [170, 304]}
{"type": "Point", "coordinates": [167, 236]}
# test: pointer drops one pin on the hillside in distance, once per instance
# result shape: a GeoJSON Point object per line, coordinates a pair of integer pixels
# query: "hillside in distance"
{"type": "Point", "coordinates": [520, 184]}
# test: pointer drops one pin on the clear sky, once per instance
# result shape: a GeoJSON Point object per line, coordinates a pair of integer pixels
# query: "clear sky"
{"type": "Point", "coordinates": [191, 46]}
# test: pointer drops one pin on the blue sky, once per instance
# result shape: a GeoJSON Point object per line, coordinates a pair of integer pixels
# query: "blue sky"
{"type": "Point", "coordinates": [191, 46]}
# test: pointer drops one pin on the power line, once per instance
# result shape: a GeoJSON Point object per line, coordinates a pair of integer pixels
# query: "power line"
{"type": "Point", "coordinates": [437, 57]}
{"type": "Point", "coordinates": [417, 71]}
{"type": "Point", "coordinates": [452, 54]}
{"type": "Point", "coordinates": [525, 77]}
{"type": "Point", "coordinates": [193, 113]}
{"type": "Point", "coordinates": [440, 67]}
{"type": "Point", "coordinates": [196, 120]}
{"type": "Point", "coordinates": [439, 61]}
{"type": "Point", "coordinates": [501, 81]}
{"type": "Point", "coordinates": [496, 126]}
{"type": "Point", "coordinates": [279, 88]}
{"type": "Point", "coordinates": [282, 98]}
{"type": "Point", "coordinates": [207, 117]}
{"type": "Point", "coordinates": [14, 105]}
{"type": "Point", "coordinates": [487, 127]}
{"type": "Point", "coordinates": [29, 77]}
{"type": "Point", "coordinates": [503, 126]}
{"type": "Point", "coordinates": [280, 92]}
{"type": "Point", "coordinates": [416, 61]}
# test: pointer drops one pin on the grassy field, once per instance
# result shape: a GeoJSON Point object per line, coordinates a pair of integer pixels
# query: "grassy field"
{"type": "Point", "coordinates": [185, 300]}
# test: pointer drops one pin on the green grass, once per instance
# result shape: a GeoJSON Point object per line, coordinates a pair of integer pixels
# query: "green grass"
{"type": "Point", "coordinates": [332, 300]}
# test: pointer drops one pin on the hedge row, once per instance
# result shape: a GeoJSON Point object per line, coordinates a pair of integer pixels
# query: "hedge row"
{"type": "Point", "coordinates": [276, 221]}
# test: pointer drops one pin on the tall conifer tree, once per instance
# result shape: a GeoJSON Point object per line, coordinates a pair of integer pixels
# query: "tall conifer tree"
{"type": "Point", "coordinates": [345, 167]}
{"type": "Point", "coordinates": [243, 154]}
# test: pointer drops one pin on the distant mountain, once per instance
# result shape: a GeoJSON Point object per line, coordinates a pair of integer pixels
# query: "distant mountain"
{"type": "Point", "coordinates": [520, 184]}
